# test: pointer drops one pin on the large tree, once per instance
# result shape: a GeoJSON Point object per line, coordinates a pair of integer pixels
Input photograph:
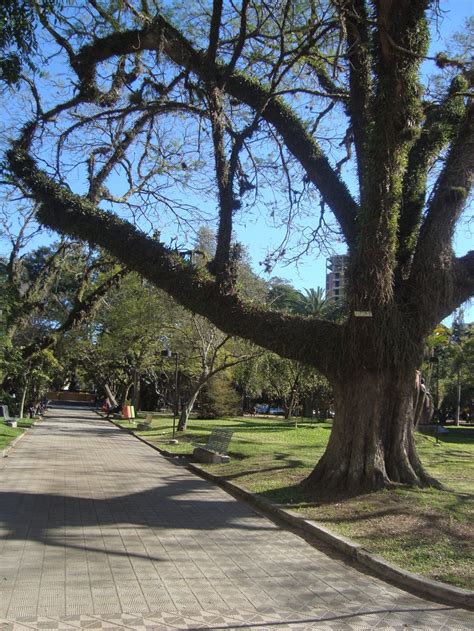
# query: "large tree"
{"type": "Point", "coordinates": [292, 95]}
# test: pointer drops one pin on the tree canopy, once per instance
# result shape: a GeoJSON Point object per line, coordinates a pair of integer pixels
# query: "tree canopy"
{"type": "Point", "coordinates": [273, 107]}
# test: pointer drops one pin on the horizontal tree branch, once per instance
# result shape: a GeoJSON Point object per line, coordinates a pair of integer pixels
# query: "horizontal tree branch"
{"type": "Point", "coordinates": [463, 284]}
{"type": "Point", "coordinates": [290, 336]}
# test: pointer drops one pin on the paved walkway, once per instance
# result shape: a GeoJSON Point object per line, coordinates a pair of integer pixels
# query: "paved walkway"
{"type": "Point", "coordinates": [100, 531]}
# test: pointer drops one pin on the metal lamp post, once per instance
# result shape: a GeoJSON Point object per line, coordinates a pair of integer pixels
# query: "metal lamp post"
{"type": "Point", "coordinates": [168, 354]}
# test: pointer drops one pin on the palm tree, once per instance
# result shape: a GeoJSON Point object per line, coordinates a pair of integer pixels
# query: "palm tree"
{"type": "Point", "coordinates": [315, 303]}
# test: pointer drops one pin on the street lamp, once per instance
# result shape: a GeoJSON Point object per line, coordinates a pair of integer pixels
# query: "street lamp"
{"type": "Point", "coordinates": [435, 360]}
{"type": "Point", "coordinates": [167, 354]}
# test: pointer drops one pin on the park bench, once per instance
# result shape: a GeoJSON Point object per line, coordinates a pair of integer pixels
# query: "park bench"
{"type": "Point", "coordinates": [215, 450]}
{"type": "Point", "coordinates": [144, 424]}
{"type": "Point", "coordinates": [12, 422]}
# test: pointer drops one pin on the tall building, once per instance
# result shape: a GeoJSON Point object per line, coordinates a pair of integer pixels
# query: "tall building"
{"type": "Point", "coordinates": [336, 276]}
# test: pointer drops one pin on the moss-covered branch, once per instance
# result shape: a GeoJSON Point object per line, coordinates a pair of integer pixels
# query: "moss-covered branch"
{"type": "Point", "coordinates": [162, 36]}
{"type": "Point", "coordinates": [434, 276]}
{"type": "Point", "coordinates": [290, 336]}
{"type": "Point", "coordinates": [449, 197]}
{"type": "Point", "coordinates": [400, 41]}
{"type": "Point", "coordinates": [354, 14]}
{"type": "Point", "coordinates": [463, 281]}
{"type": "Point", "coordinates": [440, 128]}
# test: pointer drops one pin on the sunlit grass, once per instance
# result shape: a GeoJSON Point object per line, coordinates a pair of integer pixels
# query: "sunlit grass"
{"type": "Point", "coordinates": [8, 434]}
{"type": "Point", "coordinates": [427, 531]}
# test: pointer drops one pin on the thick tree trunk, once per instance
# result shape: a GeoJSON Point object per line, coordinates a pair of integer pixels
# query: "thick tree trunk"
{"type": "Point", "coordinates": [372, 442]}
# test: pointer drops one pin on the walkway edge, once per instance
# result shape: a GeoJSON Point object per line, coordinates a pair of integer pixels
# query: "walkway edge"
{"type": "Point", "coordinates": [13, 443]}
{"type": "Point", "coordinates": [423, 586]}
{"type": "Point", "coordinates": [435, 590]}
{"type": "Point", "coordinates": [18, 438]}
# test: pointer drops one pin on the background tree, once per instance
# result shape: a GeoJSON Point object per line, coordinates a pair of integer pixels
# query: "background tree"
{"type": "Point", "coordinates": [249, 380]}
{"type": "Point", "coordinates": [261, 88]}
{"type": "Point", "coordinates": [450, 376]}
{"type": "Point", "coordinates": [283, 381]}
{"type": "Point", "coordinates": [283, 296]}
{"type": "Point", "coordinates": [205, 352]}
{"type": "Point", "coordinates": [294, 386]}
{"type": "Point", "coordinates": [130, 333]}
{"type": "Point", "coordinates": [50, 287]}
{"type": "Point", "coordinates": [18, 21]}
{"type": "Point", "coordinates": [47, 292]}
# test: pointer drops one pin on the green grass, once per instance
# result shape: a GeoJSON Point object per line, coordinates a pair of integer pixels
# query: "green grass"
{"type": "Point", "coordinates": [8, 434]}
{"type": "Point", "coordinates": [427, 531]}
{"type": "Point", "coordinates": [26, 422]}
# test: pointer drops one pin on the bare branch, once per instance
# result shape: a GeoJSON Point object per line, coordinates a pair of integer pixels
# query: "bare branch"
{"type": "Point", "coordinates": [65, 212]}
{"type": "Point", "coordinates": [241, 39]}
{"type": "Point", "coordinates": [163, 36]}
{"type": "Point", "coordinates": [214, 31]}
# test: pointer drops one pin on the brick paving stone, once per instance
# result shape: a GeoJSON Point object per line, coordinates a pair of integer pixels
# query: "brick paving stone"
{"type": "Point", "coordinates": [98, 531]}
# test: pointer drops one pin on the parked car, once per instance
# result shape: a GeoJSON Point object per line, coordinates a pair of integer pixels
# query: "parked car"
{"type": "Point", "coordinates": [266, 408]}
{"type": "Point", "coordinates": [276, 411]}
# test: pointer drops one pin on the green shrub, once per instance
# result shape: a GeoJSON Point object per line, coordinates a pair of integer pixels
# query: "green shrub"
{"type": "Point", "coordinates": [219, 398]}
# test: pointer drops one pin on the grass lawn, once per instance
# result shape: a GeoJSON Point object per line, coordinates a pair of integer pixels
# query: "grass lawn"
{"type": "Point", "coordinates": [426, 531]}
{"type": "Point", "coordinates": [8, 434]}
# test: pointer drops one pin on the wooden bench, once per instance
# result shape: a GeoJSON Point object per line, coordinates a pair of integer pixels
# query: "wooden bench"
{"type": "Point", "coordinates": [215, 450]}
{"type": "Point", "coordinates": [12, 422]}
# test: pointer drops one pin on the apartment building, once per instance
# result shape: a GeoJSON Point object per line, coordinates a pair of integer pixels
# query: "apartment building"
{"type": "Point", "coordinates": [336, 276]}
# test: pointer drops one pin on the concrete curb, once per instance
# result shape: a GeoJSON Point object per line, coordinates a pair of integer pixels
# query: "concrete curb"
{"type": "Point", "coordinates": [14, 442]}
{"type": "Point", "coordinates": [435, 590]}
{"type": "Point", "coordinates": [440, 592]}
{"type": "Point", "coordinates": [17, 439]}
{"type": "Point", "coordinates": [163, 452]}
